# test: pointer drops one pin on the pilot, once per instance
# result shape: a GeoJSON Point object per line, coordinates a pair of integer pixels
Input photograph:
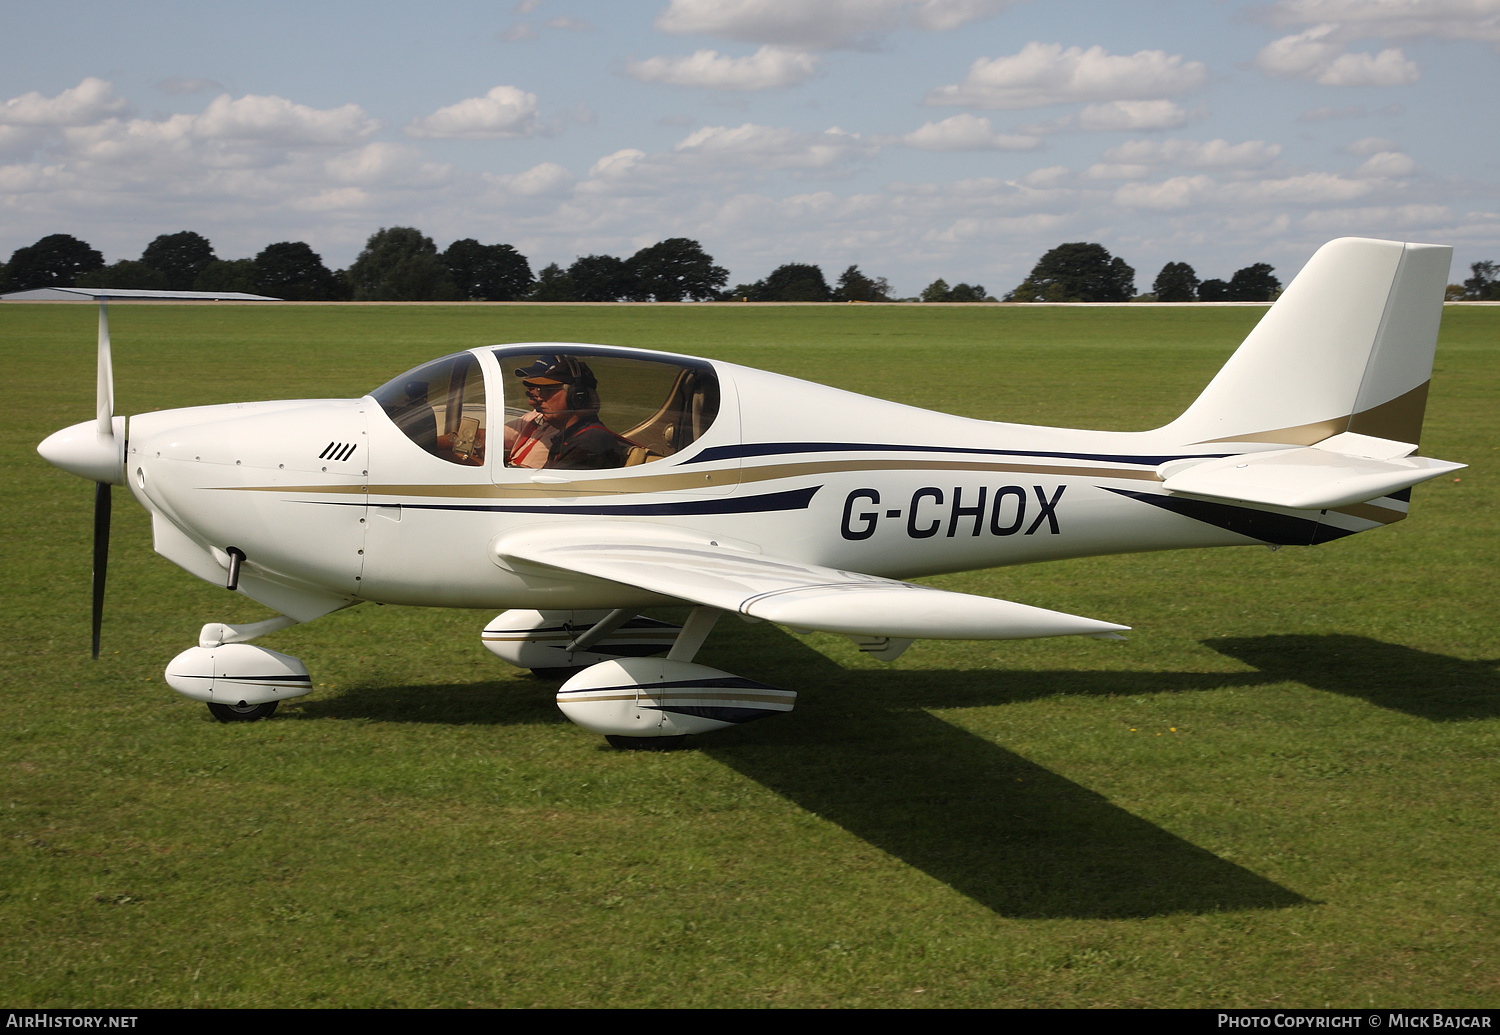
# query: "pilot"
{"type": "Point", "coordinates": [528, 439]}
{"type": "Point", "coordinates": [564, 394]}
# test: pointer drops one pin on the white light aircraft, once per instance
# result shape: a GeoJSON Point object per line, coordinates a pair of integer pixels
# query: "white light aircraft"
{"type": "Point", "coordinates": [573, 484]}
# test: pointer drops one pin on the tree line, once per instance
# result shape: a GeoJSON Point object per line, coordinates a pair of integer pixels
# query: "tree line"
{"type": "Point", "coordinates": [402, 264]}
{"type": "Point", "coordinates": [1086, 272]}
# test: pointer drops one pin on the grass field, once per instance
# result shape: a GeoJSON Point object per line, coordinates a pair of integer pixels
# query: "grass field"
{"type": "Point", "coordinates": [1281, 791]}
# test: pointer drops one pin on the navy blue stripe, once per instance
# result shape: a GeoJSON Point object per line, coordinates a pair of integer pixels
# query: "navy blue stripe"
{"type": "Point", "coordinates": [783, 448]}
{"type": "Point", "coordinates": [1281, 529]}
{"type": "Point", "coordinates": [732, 715]}
{"type": "Point", "coordinates": [288, 680]}
{"type": "Point", "coordinates": [721, 683]}
{"type": "Point", "coordinates": [792, 499]}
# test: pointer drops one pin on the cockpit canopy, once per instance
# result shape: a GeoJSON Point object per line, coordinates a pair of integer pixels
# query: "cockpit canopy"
{"type": "Point", "coordinates": [584, 408]}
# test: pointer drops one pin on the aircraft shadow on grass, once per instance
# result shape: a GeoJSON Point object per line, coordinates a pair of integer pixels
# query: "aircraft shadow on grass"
{"type": "Point", "coordinates": [1388, 675]}
{"type": "Point", "coordinates": [864, 753]}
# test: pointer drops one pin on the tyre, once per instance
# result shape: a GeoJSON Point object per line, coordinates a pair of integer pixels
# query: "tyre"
{"type": "Point", "coordinates": [620, 743]}
{"type": "Point", "coordinates": [557, 675]}
{"type": "Point", "coordinates": [243, 712]}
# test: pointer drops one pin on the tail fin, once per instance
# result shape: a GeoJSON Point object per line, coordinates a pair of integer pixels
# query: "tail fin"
{"type": "Point", "coordinates": [1347, 347]}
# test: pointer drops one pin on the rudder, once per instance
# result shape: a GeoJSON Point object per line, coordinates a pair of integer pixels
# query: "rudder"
{"type": "Point", "coordinates": [1347, 347]}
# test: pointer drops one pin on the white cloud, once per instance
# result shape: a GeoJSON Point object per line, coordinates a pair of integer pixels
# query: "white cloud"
{"type": "Point", "coordinates": [89, 101]}
{"type": "Point", "coordinates": [502, 113]}
{"type": "Point", "coordinates": [1300, 55]}
{"type": "Point", "coordinates": [1395, 19]}
{"type": "Point", "coordinates": [1045, 73]}
{"type": "Point", "coordinates": [1318, 54]}
{"type": "Point", "coordinates": [966, 133]}
{"type": "Point", "coordinates": [1201, 190]}
{"type": "Point", "coordinates": [1387, 165]}
{"type": "Point", "coordinates": [616, 164]}
{"type": "Point", "coordinates": [768, 68]}
{"type": "Point", "coordinates": [1388, 68]}
{"type": "Point", "coordinates": [767, 147]}
{"type": "Point", "coordinates": [1361, 219]}
{"type": "Point", "coordinates": [278, 120]}
{"type": "Point", "coordinates": [1369, 146]}
{"type": "Point", "coordinates": [821, 25]}
{"type": "Point", "coordinates": [1116, 171]}
{"type": "Point", "coordinates": [1176, 193]}
{"type": "Point", "coordinates": [1212, 154]}
{"type": "Point", "coordinates": [1051, 176]}
{"type": "Point", "coordinates": [19, 140]}
{"type": "Point", "coordinates": [548, 178]}
{"type": "Point", "coordinates": [384, 164]}
{"type": "Point", "coordinates": [1130, 115]}
{"type": "Point", "coordinates": [946, 15]}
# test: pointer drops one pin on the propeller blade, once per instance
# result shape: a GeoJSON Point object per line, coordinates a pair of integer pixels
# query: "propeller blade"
{"type": "Point", "coordinates": [102, 502]}
{"type": "Point", "coordinates": [106, 389]}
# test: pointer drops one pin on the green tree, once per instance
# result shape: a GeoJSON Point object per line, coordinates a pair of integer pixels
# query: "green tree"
{"type": "Point", "coordinates": [128, 274]}
{"type": "Point", "coordinates": [1213, 290]}
{"type": "Point", "coordinates": [228, 275]}
{"type": "Point", "coordinates": [1254, 284]}
{"type": "Point", "coordinates": [937, 291]}
{"type": "Point", "coordinates": [554, 285]}
{"type": "Point", "coordinates": [674, 269]}
{"type": "Point", "coordinates": [1177, 282]}
{"type": "Point", "coordinates": [1077, 272]}
{"type": "Point", "coordinates": [1484, 285]}
{"type": "Point", "coordinates": [489, 272]}
{"type": "Point", "coordinates": [292, 270]}
{"type": "Point", "coordinates": [399, 264]}
{"type": "Point", "coordinates": [601, 278]}
{"type": "Point", "coordinates": [793, 282]}
{"type": "Point", "coordinates": [967, 293]}
{"type": "Point", "coordinates": [854, 286]}
{"type": "Point", "coordinates": [180, 256]}
{"type": "Point", "coordinates": [54, 261]}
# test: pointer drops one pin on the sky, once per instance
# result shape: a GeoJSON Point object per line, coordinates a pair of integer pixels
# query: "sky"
{"type": "Point", "coordinates": [916, 139]}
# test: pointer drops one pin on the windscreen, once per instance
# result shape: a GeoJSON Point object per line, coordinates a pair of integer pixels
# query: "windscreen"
{"type": "Point", "coordinates": [440, 406]}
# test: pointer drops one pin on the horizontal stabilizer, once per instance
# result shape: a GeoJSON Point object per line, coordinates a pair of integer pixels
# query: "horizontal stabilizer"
{"type": "Point", "coordinates": [734, 577]}
{"type": "Point", "coordinates": [1336, 472]}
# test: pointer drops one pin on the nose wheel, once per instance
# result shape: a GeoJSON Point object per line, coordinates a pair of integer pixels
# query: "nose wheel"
{"type": "Point", "coordinates": [243, 712]}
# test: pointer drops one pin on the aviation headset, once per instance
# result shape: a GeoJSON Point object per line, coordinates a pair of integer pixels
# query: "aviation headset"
{"type": "Point", "coordinates": [581, 385]}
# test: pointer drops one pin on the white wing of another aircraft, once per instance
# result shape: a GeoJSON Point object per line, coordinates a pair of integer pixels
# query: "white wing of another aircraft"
{"type": "Point", "coordinates": [739, 578]}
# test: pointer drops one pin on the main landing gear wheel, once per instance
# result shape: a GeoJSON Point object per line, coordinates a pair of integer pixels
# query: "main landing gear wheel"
{"type": "Point", "coordinates": [620, 743]}
{"type": "Point", "coordinates": [243, 712]}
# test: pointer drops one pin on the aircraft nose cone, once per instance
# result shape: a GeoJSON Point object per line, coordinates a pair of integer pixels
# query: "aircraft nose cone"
{"type": "Point", "coordinates": [81, 450]}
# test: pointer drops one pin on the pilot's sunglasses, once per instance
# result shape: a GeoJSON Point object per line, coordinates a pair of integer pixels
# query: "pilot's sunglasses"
{"type": "Point", "coordinates": [542, 389]}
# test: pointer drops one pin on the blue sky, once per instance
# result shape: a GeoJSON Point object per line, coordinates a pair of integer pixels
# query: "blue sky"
{"type": "Point", "coordinates": [916, 138]}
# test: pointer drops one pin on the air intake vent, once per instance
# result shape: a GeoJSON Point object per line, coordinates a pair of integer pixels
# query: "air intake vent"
{"type": "Point", "coordinates": [338, 451]}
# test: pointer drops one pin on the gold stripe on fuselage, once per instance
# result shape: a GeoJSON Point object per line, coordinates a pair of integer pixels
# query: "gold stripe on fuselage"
{"type": "Point", "coordinates": [688, 480]}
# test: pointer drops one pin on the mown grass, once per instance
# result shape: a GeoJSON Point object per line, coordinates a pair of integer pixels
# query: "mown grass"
{"type": "Point", "coordinates": [1279, 792]}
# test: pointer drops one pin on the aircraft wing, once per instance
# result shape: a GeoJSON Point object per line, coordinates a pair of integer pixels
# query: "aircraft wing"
{"type": "Point", "coordinates": [1338, 471]}
{"type": "Point", "coordinates": [739, 577]}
